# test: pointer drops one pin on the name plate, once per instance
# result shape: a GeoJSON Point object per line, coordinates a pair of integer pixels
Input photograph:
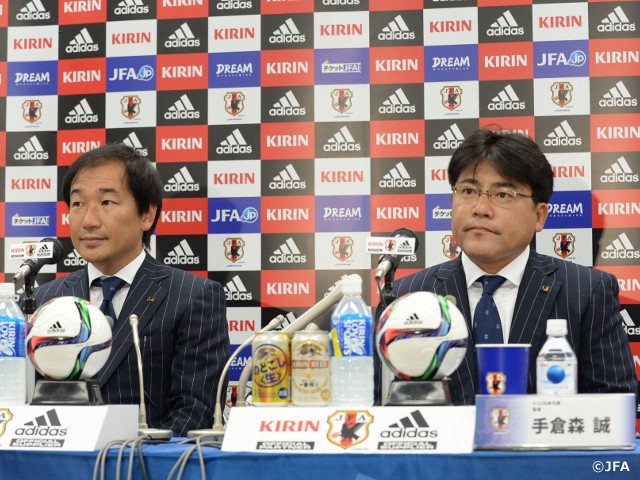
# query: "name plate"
{"type": "Point", "coordinates": [539, 422]}
{"type": "Point", "coordinates": [428, 429]}
{"type": "Point", "coordinates": [68, 427]}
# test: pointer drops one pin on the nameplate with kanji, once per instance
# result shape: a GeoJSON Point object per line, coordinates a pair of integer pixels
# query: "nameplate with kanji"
{"type": "Point", "coordinates": [575, 422]}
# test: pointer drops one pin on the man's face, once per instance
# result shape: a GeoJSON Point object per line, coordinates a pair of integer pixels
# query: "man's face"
{"type": "Point", "coordinates": [106, 228]}
{"type": "Point", "coordinates": [491, 235]}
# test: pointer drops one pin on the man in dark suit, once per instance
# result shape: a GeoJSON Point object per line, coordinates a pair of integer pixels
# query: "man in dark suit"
{"type": "Point", "coordinates": [115, 198]}
{"type": "Point", "coordinates": [501, 187]}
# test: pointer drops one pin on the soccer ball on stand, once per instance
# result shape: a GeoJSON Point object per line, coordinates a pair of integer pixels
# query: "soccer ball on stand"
{"type": "Point", "coordinates": [422, 336]}
{"type": "Point", "coordinates": [68, 338]}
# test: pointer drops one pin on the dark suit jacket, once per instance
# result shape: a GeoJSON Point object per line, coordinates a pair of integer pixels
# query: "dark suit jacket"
{"type": "Point", "coordinates": [550, 288]}
{"type": "Point", "coordinates": [184, 342]}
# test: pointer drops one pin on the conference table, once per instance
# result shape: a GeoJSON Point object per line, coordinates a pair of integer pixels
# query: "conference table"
{"type": "Point", "coordinates": [159, 460]}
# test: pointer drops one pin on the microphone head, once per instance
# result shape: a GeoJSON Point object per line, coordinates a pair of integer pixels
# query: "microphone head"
{"type": "Point", "coordinates": [406, 232]}
{"type": "Point", "coordinates": [58, 250]}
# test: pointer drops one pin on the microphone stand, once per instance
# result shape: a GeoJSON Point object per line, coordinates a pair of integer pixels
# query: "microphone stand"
{"type": "Point", "coordinates": [386, 291]}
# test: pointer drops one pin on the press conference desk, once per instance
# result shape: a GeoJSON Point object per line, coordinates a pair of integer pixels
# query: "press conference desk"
{"type": "Point", "coordinates": [160, 459]}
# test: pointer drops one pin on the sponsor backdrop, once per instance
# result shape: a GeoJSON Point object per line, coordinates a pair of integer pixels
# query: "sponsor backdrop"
{"type": "Point", "coordinates": [289, 131]}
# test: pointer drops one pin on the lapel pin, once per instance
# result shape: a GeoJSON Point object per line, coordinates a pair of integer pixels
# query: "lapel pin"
{"type": "Point", "coordinates": [151, 299]}
{"type": "Point", "coordinates": [546, 288]}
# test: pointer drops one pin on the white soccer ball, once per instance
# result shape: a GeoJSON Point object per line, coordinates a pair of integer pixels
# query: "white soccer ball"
{"type": "Point", "coordinates": [422, 336]}
{"type": "Point", "coordinates": [68, 338]}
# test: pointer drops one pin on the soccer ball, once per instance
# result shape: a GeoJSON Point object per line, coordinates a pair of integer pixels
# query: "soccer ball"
{"type": "Point", "coordinates": [422, 336]}
{"type": "Point", "coordinates": [68, 338]}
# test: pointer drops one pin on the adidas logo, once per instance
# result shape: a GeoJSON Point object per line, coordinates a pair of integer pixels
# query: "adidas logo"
{"type": "Point", "coordinates": [396, 29]}
{"type": "Point", "coordinates": [286, 106]}
{"type": "Point", "coordinates": [133, 141]}
{"type": "Point", "coordinates": [182, 255]}
{"type": "Point", "coordinates": [34, 10]}
{"type": "Point", "coordinates": [628, 324]}
{"type": "Point", "coordinates": [235, 290]}
{"type": "Point", "coordinates": [563, 135]}
{"type": "Point", "coordinates": [131, 7]}
{"type": "Point", "coordinates": [507, 99]}
{"type": "Point", "coordinates": [182, 109]}
{"type": "Point", "coordinates": [618, 96]}
{"type": "Point", "coordinates": [31, 150]}
{"type": "Point", "coordinates": [74, 260]}
{"type": "Point", "coordinates": [620, 171]}
{"type": "Point", "coordinates": [233, 4]}
{"type": "Point", "coordinates": [616, 21]}
{"type": "Point", "coordinates": [82, 113]}
{"type": "Point", "coordinates": [450, 139]}
{"type": "Point", "coordinates": [182, 37]}
{"type": "Point", "coordinates": [55, 328]}
{"type": "Point", "coordinates": [234, 143]}
{"type": "Point", "coordinates": [621, 247]}
{"type": "Point", "coordinates": [397, 103]}
{"type": "Point", "coordinates": [182, 181]}
{"type": "Point", "coordinates": [47, 425]}
{"type": "Point", "coordinates": [412, 319]}
{"type": "Point", "coordinates": [398, 177]}
{"type": "Point", "coordinates": [505, 25]}
{"type": "Point", "coordinates": [82, 43]}
{"type": "Point", "coordinates": [287, 179]}
{"type": "Point", "coordinates": [342, 141]}
{"type": "Point", "coordinates": [288, 253]}
{"type": "Point", "coordinates": [413, 425]}
{"type": "Point", "coordinates": [287, 33]}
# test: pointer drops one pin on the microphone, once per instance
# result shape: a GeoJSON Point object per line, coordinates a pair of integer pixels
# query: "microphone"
{"type": "Point", "coordinates": [216, 433]}
{"type": "Point", "coordinates": [389, 262]}
{"type": "Point", "coordinates": [143, 428]}
{"type": "Point", "coordinates": [32, 266]}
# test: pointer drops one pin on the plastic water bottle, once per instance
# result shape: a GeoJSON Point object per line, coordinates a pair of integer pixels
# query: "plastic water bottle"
{"type": "Point", "coordinates": [13, 360]}
{"type": "Point", "coordinates": [352, 347]}
{"type": "Point", "coordinates": [556, 365]}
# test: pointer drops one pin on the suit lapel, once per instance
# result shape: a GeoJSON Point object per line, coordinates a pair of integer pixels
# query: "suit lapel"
{"type": "Point", "coordinates": [143, 299]}
{"type": "Point", "coordinates": [536, 298]}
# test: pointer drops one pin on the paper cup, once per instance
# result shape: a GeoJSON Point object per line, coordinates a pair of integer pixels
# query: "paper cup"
{"type": "Point", "coordinates": [503, 368]}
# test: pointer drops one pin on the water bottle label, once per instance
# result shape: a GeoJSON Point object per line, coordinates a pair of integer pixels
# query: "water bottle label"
{"type": "Point", "coordinates": [353, 337]}
{"type": "Point", "coordinates": [12, 339]}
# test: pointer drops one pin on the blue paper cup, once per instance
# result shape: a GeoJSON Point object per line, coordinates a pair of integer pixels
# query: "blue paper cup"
{"type": "Point", "coordinates": [503, 368]}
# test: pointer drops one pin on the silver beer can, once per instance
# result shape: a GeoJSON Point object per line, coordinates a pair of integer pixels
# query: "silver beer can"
{"type": "Point", "coordinates": [310, 368]}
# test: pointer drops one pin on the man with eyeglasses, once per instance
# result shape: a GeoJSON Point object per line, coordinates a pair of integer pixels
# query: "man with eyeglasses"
{"type": "Point", "coordinates": [501, 185]}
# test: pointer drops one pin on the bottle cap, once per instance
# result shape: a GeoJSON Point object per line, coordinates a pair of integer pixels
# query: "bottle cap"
{"type": "Point", "coordinates": [557, 327]}
{"type": "Point", "coordinates": [7, 290]}
{"type": "Point", "coordinates": [352, 284]}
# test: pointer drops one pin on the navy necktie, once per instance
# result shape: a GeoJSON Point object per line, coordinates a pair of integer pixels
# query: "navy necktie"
{"type": "Point", "coordinates": [110, 286]}
{"type": "Point", "coordinates": [487, 326]}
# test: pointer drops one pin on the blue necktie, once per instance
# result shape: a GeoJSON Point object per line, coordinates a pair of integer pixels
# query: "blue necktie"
{"type": "Point", "coordinates": [487, 327]}
{"type": "Point", "coordinates": [110, 286]}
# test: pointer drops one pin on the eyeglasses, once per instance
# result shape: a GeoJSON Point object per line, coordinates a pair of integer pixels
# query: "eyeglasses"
{"type": "Point", "coordinates": [498, 196]}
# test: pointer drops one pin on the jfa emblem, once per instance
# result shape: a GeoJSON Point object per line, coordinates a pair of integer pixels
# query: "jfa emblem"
{"type": "Point", "coordinates": [564, 244]}
{"type": "Point", "coordinates": [496, 383]}
{"type": "Point", "coordinates": [390, 245]}
{"type": "Point", "coordinates": [451, 97]}
{"type": "Point", "coordinates": [349, 428]}
{"type": "Point", "coordinates": [500, 418]}
{"type": "Point", "coordinates": [450, 247]}
{"type": "Point", "coordinates": [130, 106]}
{"type": "Point", "coordinates": [342, 247]}
{"type": "Point", "coordinates": [341, 99]}
{"type": "Point", "coordinates": [5, 418]}
{"type": "Point", "coordinates": [234, 102]}
{"type": "Point", "coordinates": [561, 93]}
{"type": "Point", "coordinates": [32, 110]}
{"type": "Point", "coordinates": [234, 249]}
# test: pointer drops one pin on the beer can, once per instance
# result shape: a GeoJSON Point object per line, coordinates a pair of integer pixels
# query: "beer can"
{"type": "Point", "coordinates": [310, 368]}
{"type": "Point", "coordinates": [271, 353]}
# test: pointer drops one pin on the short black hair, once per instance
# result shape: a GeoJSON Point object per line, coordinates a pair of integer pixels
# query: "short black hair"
{"type": "Point", "coordinates": [515, 156]}
{"type": "Point", "coordinates": [140, 176]}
